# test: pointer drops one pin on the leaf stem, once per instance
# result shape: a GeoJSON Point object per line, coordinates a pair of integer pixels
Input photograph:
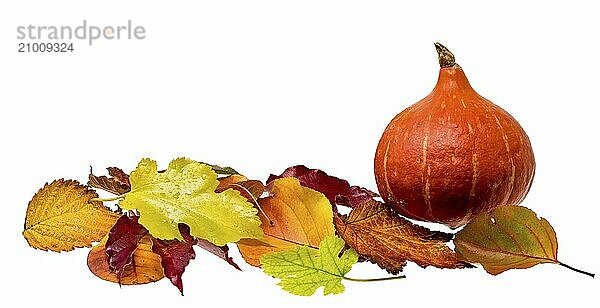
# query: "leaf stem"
{"type": "Point", "coordinates": [577, 270]}
{"type": "Point", "coordinates": [108, 199]}
{"type": "Point", "coordinates": [373, 279]}
{"type": "Point", "coordinates": [254, 201]}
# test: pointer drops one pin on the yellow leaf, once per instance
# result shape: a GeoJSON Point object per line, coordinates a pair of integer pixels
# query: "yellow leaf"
{"type": "Point", "coordinates": [60, 217]}
{"type": "Point", "coordinates": [146, 266]}
{"type": "Point", "coordinates": [300, 216]}
{"type": "Point", "coordinates": [185, 193]}
{"type": "Point", "coordinates": [507, 238]}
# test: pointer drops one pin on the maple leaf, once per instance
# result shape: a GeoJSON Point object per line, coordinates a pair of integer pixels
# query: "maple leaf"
{"type": "Point", "coordinates": [303, 270]}
{"type": "Point", "coordinates": [176, 255]}
{"type": "Point", "coordinates": [389, 240]}
{"type": "Point", "coordinates": [509, 237]}
{"type": "Point", "coordinates": [60, 217]}
{"type": "Point", "coordinates": [300, 216]}
{"type": "Point", "coordinates": [185, 193]}
{"type": "Point", "coordinates": [117, 183]}
{"type": "Point", "coordinates": [145, 266]}
{"type": "Point", "coordinates": [336, 190]}
{"type": "Point", "coordinates": [123, 239]}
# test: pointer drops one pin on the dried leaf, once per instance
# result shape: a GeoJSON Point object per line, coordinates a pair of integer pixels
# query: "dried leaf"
{"type": "Point", "coordinates": [507, 238]}
{"type": "Point", "coordinates": [219, 251]}
{"type": "Point", "coordinates": [146, 265]}
{"type": "Point", "coordinates": [119, 175]}
{"type": "Point", "coordinates": [60, 217]}
{"type": "Point", "coordinates": [300, 215]}
{"type": "Point", "coordinates": [176, 255]}
{"type": "Point", "coordinates": [117, 183]}
{"type": "Point", "coordinates": [389, 240]}
{"type": "Point", "coordinates": [336, 190]}
{"type": "Point", "coordinates": [122, 241]}
{"type": "Point", "coordinates": [185, 193]}
{"type": "Point", "coordinates": [303, 270]}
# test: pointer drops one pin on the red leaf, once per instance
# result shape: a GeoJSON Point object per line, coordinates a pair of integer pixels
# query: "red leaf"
{"type": "Point", "coordinates": [123, 239]}
{"type": "Point", "coordinates": [219, 251]}
{"type": "Point", "coordinates": [354, 196]}
{"type": "Point", "coordinates": [176, 255]}
{"type": "Point", "coordinates": [338, 191]}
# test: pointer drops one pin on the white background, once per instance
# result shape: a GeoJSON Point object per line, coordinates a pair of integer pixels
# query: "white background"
{"type": "Point", "coordinates": [262, 85]}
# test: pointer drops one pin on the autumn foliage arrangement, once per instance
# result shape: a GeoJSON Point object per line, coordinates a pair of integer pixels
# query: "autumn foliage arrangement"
{"type": "Point", "coordinates": [453, 158]}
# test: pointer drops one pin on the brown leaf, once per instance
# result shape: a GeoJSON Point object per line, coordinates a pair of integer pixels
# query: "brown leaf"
{"type": "Point", "coordinates": [146, 265]}
{"type": "Point", "coordinates": [117, 183]}
{"type": "Point", "coordinates": [60, 217]}
{"type": "Point", "coordinates": [119, 175]}
{"type": "Point", "coordinates": [383, 237]}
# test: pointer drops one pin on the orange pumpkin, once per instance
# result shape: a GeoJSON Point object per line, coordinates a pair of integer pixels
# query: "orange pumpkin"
{"type": "Point", "coordinates": [453, 154]}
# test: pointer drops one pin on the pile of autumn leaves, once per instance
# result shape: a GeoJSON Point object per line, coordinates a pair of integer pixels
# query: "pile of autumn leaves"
{"type": "Point", "coordinates": [289, 226]}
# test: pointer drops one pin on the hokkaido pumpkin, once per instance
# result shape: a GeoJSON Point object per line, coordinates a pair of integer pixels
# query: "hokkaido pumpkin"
{"type": "Point", "coordinates": [453, 154]}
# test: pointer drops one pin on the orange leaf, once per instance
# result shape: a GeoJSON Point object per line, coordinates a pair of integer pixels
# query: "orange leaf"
{"type": "Point", "coordinates": [300, 216]}
{"type": "Point", "coordinates": [389, 240]}
{"type": "Point", "coordinates": [225, 182]}
{"type": "Point", "coordinates": [146, 265]}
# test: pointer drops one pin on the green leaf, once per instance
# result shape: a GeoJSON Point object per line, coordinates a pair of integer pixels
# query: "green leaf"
{"type": "Point", "coordinates": [303, 270]}
{"type": "Point", "coordinates": [185, 193]}
{"type": "Point", "coordinates": [507, 238]}
{"type": "Point", "coordinates": [222, 170]}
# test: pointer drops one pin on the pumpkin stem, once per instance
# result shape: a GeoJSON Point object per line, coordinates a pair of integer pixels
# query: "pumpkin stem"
{"type": "Point", "coordinates": [445, 57]}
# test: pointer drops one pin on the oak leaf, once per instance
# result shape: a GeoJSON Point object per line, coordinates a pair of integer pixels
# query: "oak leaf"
{"type": "Point", "coordinates": [383, 237]}
{"type": "Point", "coordinates": [300, 216]}
{"type": "Point", "coordinates": [303, 270]}
{"type": "Point", "coordinates": [61, 217]}
{"type": "Point", "coordinates": [509, 237]}
{"type": "Point", "coordinates": [145, 266]}
{"type": "Point", "coordinates": [185, 193]}
{"type": "Point", "coordinates": [123, 239]}
{"type": "Point", "coordinates": [116, 183]}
